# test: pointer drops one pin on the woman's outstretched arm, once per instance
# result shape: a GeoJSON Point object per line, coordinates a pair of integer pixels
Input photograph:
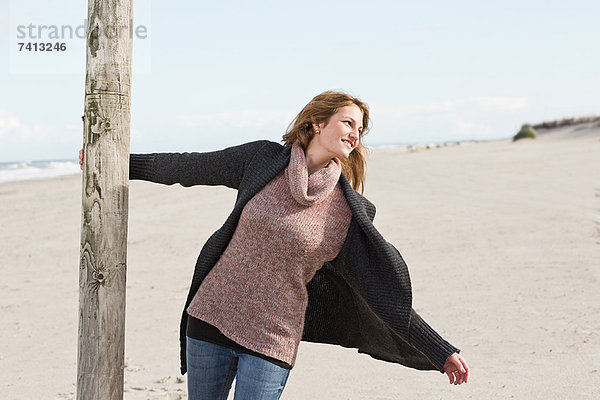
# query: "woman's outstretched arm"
{"type": "Point", "coordinates": [223, 167]}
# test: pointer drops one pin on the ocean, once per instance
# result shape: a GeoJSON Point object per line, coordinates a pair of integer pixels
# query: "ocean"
{"type": "Point", "coordinates": [25, 170]}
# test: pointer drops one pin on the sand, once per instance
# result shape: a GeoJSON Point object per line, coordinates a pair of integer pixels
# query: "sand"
{"type": "Point", "coordinates": [502, 240]}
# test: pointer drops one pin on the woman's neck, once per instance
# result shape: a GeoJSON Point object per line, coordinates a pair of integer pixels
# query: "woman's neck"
{"type": "Point", "coordinates": [315, 158]}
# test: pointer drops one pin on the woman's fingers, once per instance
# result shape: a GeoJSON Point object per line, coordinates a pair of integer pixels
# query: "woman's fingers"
{"type": "Point", "coordinates": [457, 369]}
{"type": "Point", "coordinates": [465, 368]}
{"type": "Point", "coordinates": [457, 374]}
{"type": "Point", "coordinates": [459, 377]}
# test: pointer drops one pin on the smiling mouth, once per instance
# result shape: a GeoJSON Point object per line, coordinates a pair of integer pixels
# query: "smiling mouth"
{"type": "Point", "coordinates": [349, 143]}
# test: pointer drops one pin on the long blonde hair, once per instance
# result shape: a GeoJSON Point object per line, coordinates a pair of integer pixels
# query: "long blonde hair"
{"type": "Point", "coordinates": [320, 109]}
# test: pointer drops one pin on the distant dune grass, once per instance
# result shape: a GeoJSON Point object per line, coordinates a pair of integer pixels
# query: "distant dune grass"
{"type": "Point", "coordinates": [526, 132]}
{"type": "Point", "coordinates": [565, 122]}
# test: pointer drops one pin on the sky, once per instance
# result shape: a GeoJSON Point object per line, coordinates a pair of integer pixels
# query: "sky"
{"type": "Point", "coordinates": [213, 74]}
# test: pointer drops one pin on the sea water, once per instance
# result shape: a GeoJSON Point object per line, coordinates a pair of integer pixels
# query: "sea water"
{"type": "Point", "coordinates": [25, 170]}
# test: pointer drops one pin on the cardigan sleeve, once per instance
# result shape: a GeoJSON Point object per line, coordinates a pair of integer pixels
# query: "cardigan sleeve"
{"type": "Point", "coordinates": [425, 339]}
{"type": "Point", "coordinates": [223, 167]}
{"type": "Point", "coordinates": [429, 342]}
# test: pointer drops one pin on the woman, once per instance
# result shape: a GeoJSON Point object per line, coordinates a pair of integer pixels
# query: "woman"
{"type": "Point", "coordinates": [297, 259]}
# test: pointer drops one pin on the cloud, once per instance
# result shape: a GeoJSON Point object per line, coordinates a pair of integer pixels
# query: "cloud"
{"type": "Point", "coordinates": [245, 119]}
{"type": "Point", "coordinates": [470, 129]}
{"type": "Point", "coordinates": [13, 131]}
{"type": "Point", "coordinates": [501, 103]}
{"type": "Point", "coordinates": [497, 103]}
{"type": "Point", "coordinates": [481, 117]}
{"type": "Point", "coordinates": [473, 117]}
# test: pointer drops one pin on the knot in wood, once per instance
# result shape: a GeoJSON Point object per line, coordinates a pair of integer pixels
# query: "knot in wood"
{"type": "Point", "coordinates": [98, 276]}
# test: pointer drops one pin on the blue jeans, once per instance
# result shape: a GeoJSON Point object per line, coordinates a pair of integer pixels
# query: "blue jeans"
{"type": "Point", "coordinates": [211, 369]}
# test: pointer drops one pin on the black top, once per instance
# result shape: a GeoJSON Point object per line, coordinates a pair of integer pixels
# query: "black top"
{"type": "Point", "coordinates": [201, 330]}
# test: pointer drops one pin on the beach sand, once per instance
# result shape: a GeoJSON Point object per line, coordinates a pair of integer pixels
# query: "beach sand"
{"type": "Point", "coordinates": [502, 240]}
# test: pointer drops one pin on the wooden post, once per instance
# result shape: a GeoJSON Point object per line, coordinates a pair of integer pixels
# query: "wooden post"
{"type": "Point", "coordinates": [105, 197]}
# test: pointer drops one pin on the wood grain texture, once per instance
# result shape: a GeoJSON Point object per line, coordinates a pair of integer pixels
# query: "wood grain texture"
{"type": "Point", "coordinates": [105, 196]}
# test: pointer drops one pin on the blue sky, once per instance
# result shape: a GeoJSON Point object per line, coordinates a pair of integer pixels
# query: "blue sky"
{"type": "Point", "coordinates": [213, 74]}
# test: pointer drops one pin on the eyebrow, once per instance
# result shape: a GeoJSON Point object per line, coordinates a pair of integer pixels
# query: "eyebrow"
{"type": "Point", "coordinates": [353, 120]}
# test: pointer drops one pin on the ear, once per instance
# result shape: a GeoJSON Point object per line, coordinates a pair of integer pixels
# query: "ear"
{"type": "Point", "coordinates": [317, 127]}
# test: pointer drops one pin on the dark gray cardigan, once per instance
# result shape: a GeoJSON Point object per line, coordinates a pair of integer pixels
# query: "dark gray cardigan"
{"type": "Point", "coordinates": [362, 299]}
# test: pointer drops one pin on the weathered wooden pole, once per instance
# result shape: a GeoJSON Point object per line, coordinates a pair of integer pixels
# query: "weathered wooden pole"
{"type": "Point", "coordinates": [105, 197]}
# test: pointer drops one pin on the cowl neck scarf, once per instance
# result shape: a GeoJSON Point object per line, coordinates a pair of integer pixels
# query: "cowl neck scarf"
{"type": "Point", "coordinates": [310, 189]}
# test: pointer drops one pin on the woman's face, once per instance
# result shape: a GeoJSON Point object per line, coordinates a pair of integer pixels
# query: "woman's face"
{"type": "Point", "coordinates": [341, 134]}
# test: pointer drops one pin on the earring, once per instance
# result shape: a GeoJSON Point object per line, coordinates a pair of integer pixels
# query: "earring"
{"type": "Point", "coordinates": [317, 132]}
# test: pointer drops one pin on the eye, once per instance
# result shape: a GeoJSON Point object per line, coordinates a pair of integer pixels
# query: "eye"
{"type": "Point", "coordinates": [360, 131]}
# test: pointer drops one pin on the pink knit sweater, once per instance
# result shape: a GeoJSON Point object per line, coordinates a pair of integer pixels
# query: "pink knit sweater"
{"type": "Point", "coordinates": [256, 293]}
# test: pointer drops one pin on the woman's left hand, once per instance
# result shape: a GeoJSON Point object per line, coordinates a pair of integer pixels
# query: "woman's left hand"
{"type": "Point", "coordinates": [457, 369]}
